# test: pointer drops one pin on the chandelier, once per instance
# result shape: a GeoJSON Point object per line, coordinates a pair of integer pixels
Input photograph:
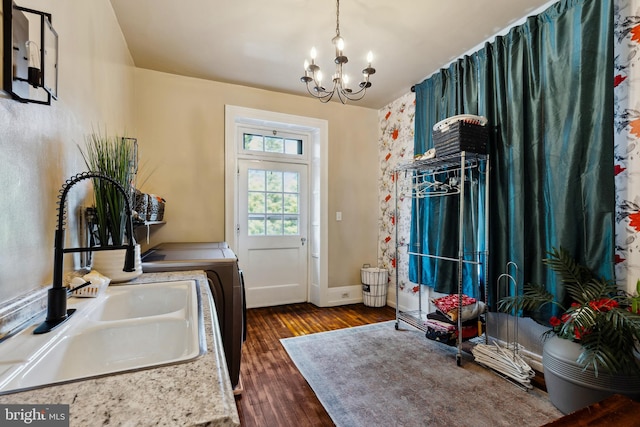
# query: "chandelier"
{"type": "Point", "coordinates": [313, 76]}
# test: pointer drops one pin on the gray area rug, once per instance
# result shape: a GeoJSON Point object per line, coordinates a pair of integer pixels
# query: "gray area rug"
{"type": "Point", "coordinates": [375, 375]}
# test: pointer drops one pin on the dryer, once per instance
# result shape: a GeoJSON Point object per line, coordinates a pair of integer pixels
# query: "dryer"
{"type": "Point", "coordinates": [225, 281]}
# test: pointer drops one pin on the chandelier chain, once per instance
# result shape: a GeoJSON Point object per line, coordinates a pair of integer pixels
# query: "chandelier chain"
{"type": "Point", "coordinates": [338, 18]}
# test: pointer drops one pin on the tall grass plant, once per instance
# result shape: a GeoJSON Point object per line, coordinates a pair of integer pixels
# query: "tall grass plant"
{"type": "Point", "coordinates": [116, 157]}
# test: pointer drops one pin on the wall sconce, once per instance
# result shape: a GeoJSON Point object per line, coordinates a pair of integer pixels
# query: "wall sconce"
{"type": "Point", "coordinates": [30, 63]}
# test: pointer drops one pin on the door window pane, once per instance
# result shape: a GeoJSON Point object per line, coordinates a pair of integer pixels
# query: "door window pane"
{"type": "Point", "coordinates": [291, 225]}
{"type": "Point", "coordinates": [256, 180]}
{"type": "Point", "coordinates": [273, 144]}
{"type": "Point", "coordinates": [253, 142]}
{"type": "Point", "coordinates": [256, 226]}
{"type": "Point", "coordinates": [290, 204]}
{"type": "Point", "coordinates": [274, 181]}
{"type": "Point", "coordinates": [293, 146]}
{"type": "Point", "coordinates": [256, 202]}
{"type": "Point", "coordinates": [274, 202]}
{"type": "Point", "coordinates": [274, 225]}
{"type": "Point", "coordinates": [291, 182]}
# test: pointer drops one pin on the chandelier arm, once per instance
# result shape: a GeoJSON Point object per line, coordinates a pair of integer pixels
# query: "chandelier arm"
{"type": "Point", "coordinates": [320, 93]}
{"type": "Point", "coordinates": [352, 96]}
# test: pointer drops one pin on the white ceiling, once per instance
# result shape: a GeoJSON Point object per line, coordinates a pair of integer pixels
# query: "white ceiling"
{"type": "Point", "coordinates": [263, 43]}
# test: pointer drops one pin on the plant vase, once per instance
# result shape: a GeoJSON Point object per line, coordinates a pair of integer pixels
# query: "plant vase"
{"type": "Point", "coordinates": [110, 263]}
{"type": "Point", "coordinates": [571, 387]}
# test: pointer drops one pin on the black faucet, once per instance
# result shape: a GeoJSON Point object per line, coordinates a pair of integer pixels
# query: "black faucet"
{"type": "Point", "coordinates": [57, 296]}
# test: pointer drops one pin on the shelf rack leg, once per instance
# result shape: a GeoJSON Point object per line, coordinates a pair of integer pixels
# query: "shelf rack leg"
{"type": "Point", "coordinates": [460, 255]}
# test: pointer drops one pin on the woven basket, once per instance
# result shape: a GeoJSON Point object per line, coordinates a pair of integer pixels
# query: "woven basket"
{"type": "Point", "coordinates": [461, 136]}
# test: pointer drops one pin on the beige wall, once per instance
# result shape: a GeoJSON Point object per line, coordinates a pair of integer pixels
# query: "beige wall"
{"type": "Point", "coordinates": [38, 144]}
{"type": "Point", "coordinates": [180, 124]}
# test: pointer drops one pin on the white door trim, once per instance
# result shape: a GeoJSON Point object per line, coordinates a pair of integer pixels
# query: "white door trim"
{"type": "Point", "coordinates": [318, 177]}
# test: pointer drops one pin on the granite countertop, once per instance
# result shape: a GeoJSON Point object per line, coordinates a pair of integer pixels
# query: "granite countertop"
{"type": "Point", "coordinates": [192, 393]}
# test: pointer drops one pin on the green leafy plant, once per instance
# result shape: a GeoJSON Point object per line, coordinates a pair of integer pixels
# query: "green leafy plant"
{"type": "Point", "coordinates": [604, 320]}
{"type": "Point", "coordinates": [115, 157]}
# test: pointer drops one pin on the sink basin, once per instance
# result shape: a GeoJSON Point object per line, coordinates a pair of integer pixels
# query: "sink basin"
{"type": "Point", "coordinates": [142, 301]}
{"type": "Point", "coordinates": [129, 327]}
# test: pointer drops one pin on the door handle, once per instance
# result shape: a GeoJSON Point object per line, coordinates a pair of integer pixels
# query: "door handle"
{"type": "Point", "coordinates": [303, 240]}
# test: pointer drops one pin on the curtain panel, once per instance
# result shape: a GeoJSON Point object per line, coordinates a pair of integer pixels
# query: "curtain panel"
{"type": "Point", "coordinates": [546, 88]}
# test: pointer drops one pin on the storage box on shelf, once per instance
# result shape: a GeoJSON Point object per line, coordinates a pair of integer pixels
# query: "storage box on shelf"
{"type": "Point", "coordinates": [460, 136]}
{"type": "Point", "coordinates": [149, 207]}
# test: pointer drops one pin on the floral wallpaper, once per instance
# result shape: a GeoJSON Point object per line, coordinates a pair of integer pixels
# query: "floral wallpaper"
{"type": "Point", "coordinates": [626, 140]}
{"type": "Point", "coordinates": [395, 148]}
{"type": "Point", "coordinates": [396, 122]}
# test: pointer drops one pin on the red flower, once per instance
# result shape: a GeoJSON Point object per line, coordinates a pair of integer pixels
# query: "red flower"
{"type": "Point", "coordinates": [635, 31]}
{"type": "Point", "coordinates": [387, 239]}
{"type": "Point", "coordinates": [618, 79]}
{"type": "Point", "coordinates": [554, 321]}
{"type": "Point", "coordinates": [387, 157]}
{"type": "Point", "coordinates": [386, 199]}
{"type": "Point", "coordinates": [565, 318]}
{"type": "Point", "coordinates": [635, 127]}
{"type": "Point", "coordinates": [604, 304]}
{"type": "Point", "coordinates": [394, 134]}
{"type": "Point", "coordinates": [415, 289]}
{"type": "Point", "coordinates": [617, 169]}
{"type": "Point", "coordinates": [386, 117]}
{"type": "Point", "coordinates": [393, 262]}
{"type": "Point", "coordinates": [634, 220]}
{"type": "Point", "coordinates": [619, 259]}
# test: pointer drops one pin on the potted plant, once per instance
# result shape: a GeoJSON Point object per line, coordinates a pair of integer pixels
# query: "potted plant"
{"type": "Point", "coordinates": [591, 348]}
{"type": "Point", "coordinates": [115, 157]}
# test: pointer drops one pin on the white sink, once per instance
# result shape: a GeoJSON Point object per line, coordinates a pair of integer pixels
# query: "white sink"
{"type": "Point", "coordinates": [129, 327]}
{"type": "Point", "coordinates": [142, 301]}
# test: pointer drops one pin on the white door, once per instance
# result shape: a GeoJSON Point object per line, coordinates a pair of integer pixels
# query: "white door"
{"type": "Point", "coordinates": [272, 231]}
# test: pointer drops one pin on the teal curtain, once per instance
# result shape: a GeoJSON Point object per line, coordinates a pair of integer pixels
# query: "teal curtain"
{"type": "Point", "coordinates": [546, 88]}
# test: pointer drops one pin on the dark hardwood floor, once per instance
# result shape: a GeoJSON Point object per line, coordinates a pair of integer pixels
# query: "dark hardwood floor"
{"type": "Point", "coordinates": [275, 393]}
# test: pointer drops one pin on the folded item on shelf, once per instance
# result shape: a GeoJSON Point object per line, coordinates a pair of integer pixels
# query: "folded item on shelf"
{"type": "Point", "coordinates": [468, 312]}
{"type": "Point", "coordinates": [439, 325]}
{"type": "Point", "coordinates": [449, 302]}
{"type": "Point", "coordinates": [450, 337]}
{"type": "Point", "coordinates": [448, 306]}
{"type": "Point", "coordinates": [437, 315]}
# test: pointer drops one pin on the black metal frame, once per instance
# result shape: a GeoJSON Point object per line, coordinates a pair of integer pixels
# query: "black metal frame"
{"type": "Point", "coordinates": [9, 7]}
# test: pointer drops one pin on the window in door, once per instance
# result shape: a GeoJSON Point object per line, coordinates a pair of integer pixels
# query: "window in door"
{"type": "Point", "coordinates": [273, 203]}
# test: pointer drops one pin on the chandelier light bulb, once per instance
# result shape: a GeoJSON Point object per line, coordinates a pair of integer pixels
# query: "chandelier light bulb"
{"type": "Point", "coordinates": [313, 53]}
{"type": "Point", "coordinates": [369, 57]}
{"type": "Point", "coordinates": [319, 77]}
{"type": "Point", "coordinates": [340, 44]}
